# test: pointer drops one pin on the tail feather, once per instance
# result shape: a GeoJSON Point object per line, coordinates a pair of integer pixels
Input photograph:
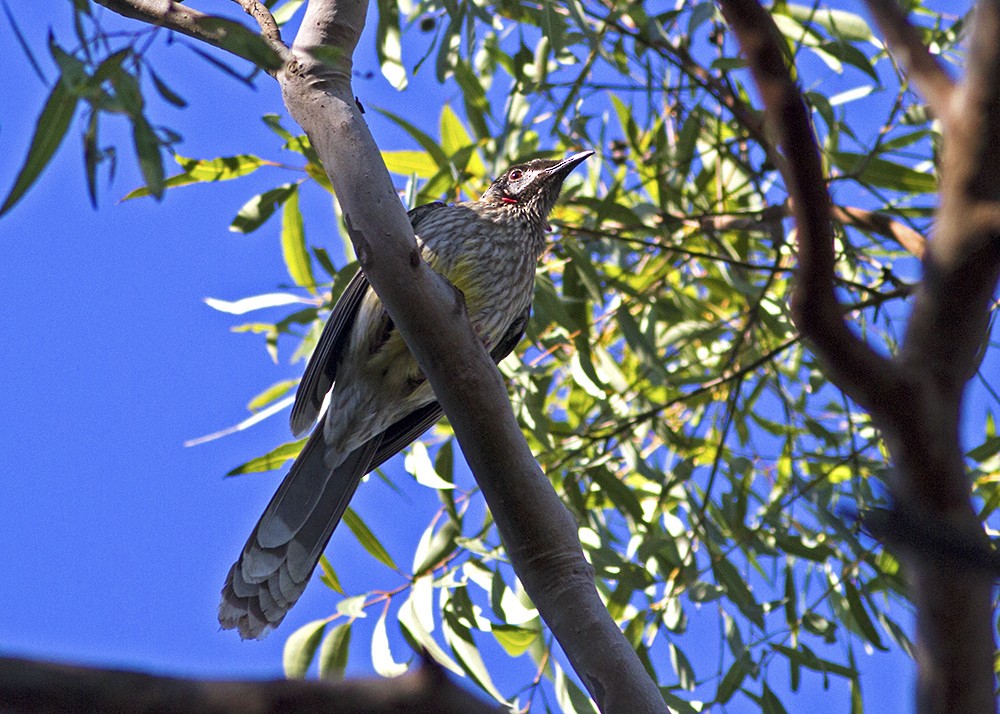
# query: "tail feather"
{"type": "Point", "coordinates": [297, 496]}
{"type": "Point", "coordinates": [270, 577]}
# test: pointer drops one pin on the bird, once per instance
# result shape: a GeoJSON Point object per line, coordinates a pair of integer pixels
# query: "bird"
{"type": "Point", "coordinates": [376, 398]}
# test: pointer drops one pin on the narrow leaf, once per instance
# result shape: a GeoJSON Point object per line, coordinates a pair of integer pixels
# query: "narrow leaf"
{"type": "Point", "coordinates": [333, 653]}
{"type": "Point", "coordinates": [49, 132]}
{"type": "Point", "coordinates": [293, 244]}
{"type": "Point", "coordinates": [147, 150]}
{"type": "Point", "coordinates": [367, 539]}
{"type": "Point", "coordinates": [274, 459]}
{"type": "Point", "coordinates": [257, 302]}
{"type": "Point", "coordinates": [258, 209]}
{"type": "Point", "coordinates": [382, 659]}
{"type": "Point", "coordinates": [300, 648]}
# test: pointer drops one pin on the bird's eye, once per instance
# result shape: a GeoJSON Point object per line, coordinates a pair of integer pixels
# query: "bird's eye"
{"type": "Point", "coordinates": [515, 175]}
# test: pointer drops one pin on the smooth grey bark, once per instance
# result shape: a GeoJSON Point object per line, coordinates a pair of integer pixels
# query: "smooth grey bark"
{"type": "Point", "coordinates": [538, 532]}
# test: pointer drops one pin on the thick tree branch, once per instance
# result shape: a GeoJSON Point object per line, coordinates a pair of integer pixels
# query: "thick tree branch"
{"type": "Point", "coordinates": [919, 65]}
{"type": "Point", "coordinates": [215, 31]}
{"type": "Point", "coordinates": [850, 363]}
{"type": "Point", "coordinates": [33, 687]}
{"type": "Point", "coordinates": [538, 532]}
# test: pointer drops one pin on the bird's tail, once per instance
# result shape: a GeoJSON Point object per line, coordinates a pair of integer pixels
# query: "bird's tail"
{"type": "Point", "coordinates": [289, 538]}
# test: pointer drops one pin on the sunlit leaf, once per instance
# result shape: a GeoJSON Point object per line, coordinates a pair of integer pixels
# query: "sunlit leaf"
{"type": "Point", "coordinates": [367, 539]}
{"type": "Point", "coordinates": [300, 649]}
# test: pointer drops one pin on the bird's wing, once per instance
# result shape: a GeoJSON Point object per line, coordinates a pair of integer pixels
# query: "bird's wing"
{"type": "Point", "coordinates": [398, 436]}
{"type": "Point", "coordinates": [322, 367]}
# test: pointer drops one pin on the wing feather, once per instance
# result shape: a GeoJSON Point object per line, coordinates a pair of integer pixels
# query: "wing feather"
{"type": "Point", "coordinates": [321, 371]}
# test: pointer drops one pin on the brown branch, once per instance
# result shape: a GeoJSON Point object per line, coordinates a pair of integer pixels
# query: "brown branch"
{"type": "Point", "coordinates": [28, 686]}
{"type": "Point", "coordinates": [883, 225]}
{"type": "Point", "coordinates": [850, 363]}
{"type": "Point", "coordinates": [919, 65]}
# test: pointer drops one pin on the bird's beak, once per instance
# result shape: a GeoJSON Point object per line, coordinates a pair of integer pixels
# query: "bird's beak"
{"type": "Point", "coordinates": [563, 168]}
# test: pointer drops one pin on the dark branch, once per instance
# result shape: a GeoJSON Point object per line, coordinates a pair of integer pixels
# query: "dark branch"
{"type": "Point", "coordinates": [28, 686]}
{"type": "Point", "coordinates": [851, 364]}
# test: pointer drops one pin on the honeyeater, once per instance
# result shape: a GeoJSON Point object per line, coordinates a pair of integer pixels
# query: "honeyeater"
{"type": "Point", "coordinates": [379, 401]}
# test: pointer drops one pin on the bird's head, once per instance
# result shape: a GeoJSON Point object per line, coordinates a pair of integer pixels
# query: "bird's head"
{"type": "Point", "coordinates": [533, 187]}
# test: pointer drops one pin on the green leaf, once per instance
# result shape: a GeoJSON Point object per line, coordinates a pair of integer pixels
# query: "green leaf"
{"type": "Point", "coordinates": [49, 132]}
{"type": "Point", "coordinates": [425, 141]}
{"type": "Point", "coordinates": [477, 107]}
{"type": "Point", "coordinates": [242, 42]}
{"type": "Point", "coordinates": [223, 168]}
{"type": "Point", "coordinates": [274, 459]}
{"type": "Point", "coordinates": [333, 653]}
{"type": "Point", "coordinates": [819, 625]}
{"type": "Point", "coordinates": [986, 450]}
{"type": "Point", "coordinates": [572, 699]}
{"type": "Point", "coordinates": [738, 591]}
{"type": "Point", "coordinates": [860, 615]}
{"type": "Point", "coordinates": [438, 547]}
{"type": "Point", "coordinates": [275, 391]}
{"type": "Point", "coordinates": [166, 92]}
{"type": "Point", "coordinates": [293, 244]}
{"type": "Point", "coordinates": [884, 174]}
{"type": "Point", "coordinates": [406, 163]}
{"type": "Point", "coordinates": [147, 149]}
{"type": "Point", "coordinates": [367, 539]}
{"type": "Point", "coordinates": [418, 463]}
{"type": "Point", "coordinates": [454, 136]}
{"type": "Point", "coordinates": [770, 704]}
{"type": "Point", "coordinates": [733, 678]}
{"type": "Point", "coordinates": [329, 575]}
{"type": "Point", "coordinates": [839, 23]}
{"type": "Point", "coordinates": [258, 209]}
{"type": "Point", "coordinates": [514, 640]}
{"type": "Point", "coordinates": [300, 648]}
{"type": "Point", "coordinates": [682, 666]}
{"type": "Point", "coordinates": [418, 628]}
{"type": "Point", "coordinates": [74, 73]}
{"type": "Point", "coordinates": [287, 11]}
{"type": "Point", "coordinates": [459, 638]}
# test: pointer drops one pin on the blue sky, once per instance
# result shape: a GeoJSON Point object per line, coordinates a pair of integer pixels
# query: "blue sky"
{"type": "Point", "coordinates": [117, 536]}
